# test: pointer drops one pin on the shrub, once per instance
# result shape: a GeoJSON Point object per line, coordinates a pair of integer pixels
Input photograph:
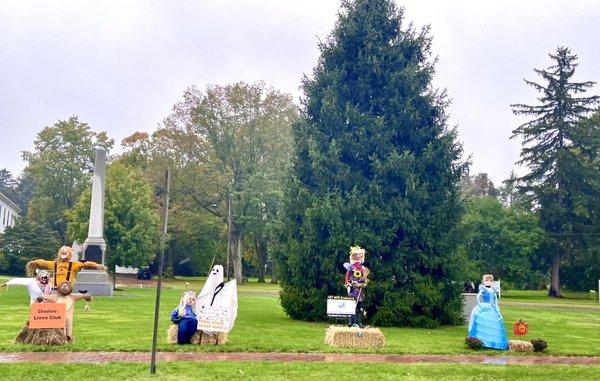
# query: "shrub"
{"type": "Point", "coordinates": [473, 343]}
{"type": "Point", "coordinates": [539, 344]}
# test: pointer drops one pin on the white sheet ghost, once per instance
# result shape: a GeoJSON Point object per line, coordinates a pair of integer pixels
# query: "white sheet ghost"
{"type": "Point", "coordinates": [217, 299]}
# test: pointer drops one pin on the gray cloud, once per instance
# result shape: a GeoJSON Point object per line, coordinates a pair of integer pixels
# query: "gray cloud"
{"type": "Point", "coordinates": [121, 65]}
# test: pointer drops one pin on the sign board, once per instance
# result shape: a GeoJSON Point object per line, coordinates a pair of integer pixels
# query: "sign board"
{"type": "Point", "coordinates": [340, 307]}
{"type": "Point", "coordinates": [215, 319]}
{"type": "Point", "coordinates": [47, 315]}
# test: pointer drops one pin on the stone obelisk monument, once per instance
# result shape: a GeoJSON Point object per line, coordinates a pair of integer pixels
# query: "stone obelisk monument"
{"type": "Point", "coordinates": [94, 247]}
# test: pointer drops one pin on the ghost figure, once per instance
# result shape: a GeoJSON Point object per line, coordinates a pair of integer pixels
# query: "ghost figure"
{"type": "Point", "coordinates": [218, 297]}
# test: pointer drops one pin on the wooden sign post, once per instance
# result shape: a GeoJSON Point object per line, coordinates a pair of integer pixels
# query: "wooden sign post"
{"type": "Point", "coordinates": [47, 315]}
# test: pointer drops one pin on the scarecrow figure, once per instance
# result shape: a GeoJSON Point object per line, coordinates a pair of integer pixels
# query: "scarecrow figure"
{"type": "Point", "coordinates": [64, 269]}
{"type": "Point", "coordinates": [38, 286]}
{"type": "Point", "coordinates": [355, 282]}
{"type": "Point", "coordinates": [54, 336]}
{"type": "Point", "coordinates": [185, 318]}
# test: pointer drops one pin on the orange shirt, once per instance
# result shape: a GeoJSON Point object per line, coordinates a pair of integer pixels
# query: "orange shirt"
{"type": "Point", "coordinates": [65, 270]}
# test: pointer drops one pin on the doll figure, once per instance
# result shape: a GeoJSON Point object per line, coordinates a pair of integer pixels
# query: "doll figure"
{"type": "Point", "coordinates": [356, 281]}
{"type": "Point", "coordinates": [185, 318]}
{"type": "Point", "coordinates": [64, 269]}
{"type": "Point", "coordinates": [486, 322]}
{"type": "Point", "coordinates": [38, 286]}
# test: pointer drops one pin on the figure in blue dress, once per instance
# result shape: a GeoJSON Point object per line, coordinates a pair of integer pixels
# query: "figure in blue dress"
{"type": "Point", "coordinates": [486, 322]}
{"type": "Point", "coordinates": [185, 318]}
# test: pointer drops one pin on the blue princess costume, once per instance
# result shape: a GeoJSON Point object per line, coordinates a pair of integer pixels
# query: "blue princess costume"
{"type": "Point", "coordinates": [187, 324]}
{"type": "Point", "coordinates": [486, 322]}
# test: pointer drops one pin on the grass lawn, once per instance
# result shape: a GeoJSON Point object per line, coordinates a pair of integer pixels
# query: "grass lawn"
{"type": "Point", "coordinates": [124, 323]}
{"type": "Point", "coordinates": [222, 370]}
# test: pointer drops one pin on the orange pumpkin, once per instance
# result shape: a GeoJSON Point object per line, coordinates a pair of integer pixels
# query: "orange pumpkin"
{"type": "Point", "coordinates": [521, 328]}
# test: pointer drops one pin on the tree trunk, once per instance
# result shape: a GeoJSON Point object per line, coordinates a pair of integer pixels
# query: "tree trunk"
{"type": "Point", "coordinates": [261, 252]}
{"type": "Point", "coordinates": [273, 272]}
{"type": "Point", "coordinates": [555, 282]}
{"type": "Point", "coordinates": [114, 273]}
{"type": "Point", "coordinates": [236, 251]}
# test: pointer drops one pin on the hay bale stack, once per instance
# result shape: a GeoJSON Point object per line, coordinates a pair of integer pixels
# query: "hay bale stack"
{"type": "Point", "coordinates": [520, 346]}
{"type": "Point", "coordinates": [199, 338]}
{"type": "Point", "coordinates": [352, 337]}
{"type": "Point", "coordinates": [42, 336]}
{"type": "Point", "coordinates": [206, 338]}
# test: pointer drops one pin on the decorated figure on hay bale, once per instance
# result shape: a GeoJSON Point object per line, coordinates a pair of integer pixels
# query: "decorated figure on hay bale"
{"type": "Point", "coordinates": [55, 336]}
{"type": "Point", "coordinates": [356, 280]}
{"type": "Point", "coordinates": [215, 310]}
{"type": "Point", "coordinates": [355, 335]}
{"type": "Point", "coordinates": [38, 286]}
{"type": "Point", "coordinates": [184, 318]}
{"type": "Point", "coordinates": [486, 322]}
{"type": "Point", "coordinates": [64, 269]}
{"type": "Point", "coordinates": [216, 307]}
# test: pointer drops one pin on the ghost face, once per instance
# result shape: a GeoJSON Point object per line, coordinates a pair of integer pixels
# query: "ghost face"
{"type": "Point", "coordinates": [216, 275]}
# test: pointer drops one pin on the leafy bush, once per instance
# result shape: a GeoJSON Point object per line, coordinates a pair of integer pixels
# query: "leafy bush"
{"type": "Point", "coordinates": [473, 343]}
{"type": "Point", "coordinates": [539, 344]}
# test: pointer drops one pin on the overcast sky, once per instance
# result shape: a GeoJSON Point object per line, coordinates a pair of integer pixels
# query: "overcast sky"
{"type": "Point", "coordinates": [121, 65]}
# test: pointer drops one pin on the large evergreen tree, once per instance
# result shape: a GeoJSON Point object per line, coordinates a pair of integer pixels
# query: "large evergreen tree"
{"type": "Point", "coordinates": [554, 149]}
{"type": "Point", "coordinates": [375, 166]}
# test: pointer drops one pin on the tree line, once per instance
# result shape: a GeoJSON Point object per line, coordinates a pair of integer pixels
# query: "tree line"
{"type": "Point", "coordinates": [270, 188]}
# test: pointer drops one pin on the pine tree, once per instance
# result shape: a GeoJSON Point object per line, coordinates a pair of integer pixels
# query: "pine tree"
{"type": "Point", "coordinates": [375, 166]}
{"type": "Point", "coordinates": [553, 148]}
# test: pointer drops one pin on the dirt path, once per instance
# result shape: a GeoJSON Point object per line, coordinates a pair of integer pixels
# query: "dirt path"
{"type": "Point", "coordinates": [103, 357]}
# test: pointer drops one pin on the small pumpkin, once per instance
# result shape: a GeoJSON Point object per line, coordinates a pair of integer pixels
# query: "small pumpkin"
{"type": "Point", "coordinates": [521, 328]}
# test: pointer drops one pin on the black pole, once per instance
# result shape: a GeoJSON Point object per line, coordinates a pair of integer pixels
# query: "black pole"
{"type": "Point", "coordinates": [229, 243]}
{"type": "Point", "coordinates": [163, 240]}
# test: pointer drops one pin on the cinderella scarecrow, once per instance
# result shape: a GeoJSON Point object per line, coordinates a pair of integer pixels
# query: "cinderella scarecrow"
{"type": "Point", "coordinates": [486, 322]}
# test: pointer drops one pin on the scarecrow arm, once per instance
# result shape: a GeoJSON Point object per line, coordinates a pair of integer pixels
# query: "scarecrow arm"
{"type": "Point", "coordinates": [92, 266]}
{"type": "Point", "coordinates": [80, 296]}
{"type": "Point", "coordinates": [19, 282]}
{"type": "Point", "coordinates": [50, 298]}
{"type": "Point", "coordinates": [38, 264]}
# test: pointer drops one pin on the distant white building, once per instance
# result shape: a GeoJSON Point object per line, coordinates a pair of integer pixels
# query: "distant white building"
{"type": "Point", "coordinates": [9, 211]}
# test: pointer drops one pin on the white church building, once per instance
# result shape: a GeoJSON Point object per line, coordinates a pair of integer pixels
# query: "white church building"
{"type": "Point", "coordinates": [9, 212]}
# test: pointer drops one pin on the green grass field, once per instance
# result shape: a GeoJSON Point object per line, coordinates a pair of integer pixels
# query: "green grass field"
{"type": "Point", "coordinates": [225, 370]}
{"type": "Point", "coordinates": [124, 323]}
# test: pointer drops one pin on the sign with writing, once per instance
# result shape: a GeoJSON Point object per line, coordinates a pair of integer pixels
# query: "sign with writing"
{"type": "Point", "coordinates": [215, 319]}
{"type": "Point", "coordinates": [340, 307]}
{"type": "Point", "coordinates": [47, 315]}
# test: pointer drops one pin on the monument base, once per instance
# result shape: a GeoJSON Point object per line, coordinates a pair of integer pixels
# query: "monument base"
{"type": "Point", "coordinates": [350, 337]}
{"type": "Point", "coordinates": [469, 302]}
{"type": "Point", "coordinates": [95, 283]}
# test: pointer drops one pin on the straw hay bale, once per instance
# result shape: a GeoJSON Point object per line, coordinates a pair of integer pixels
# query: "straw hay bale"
{"type": "Point", "coordinates": [41, 336]}
{"type": "Point", "coordinates": [199, 338]}
{"type": "Point", "coordinates": [520, 346]}
{"type": "Point", "coordinates": [353, 337]}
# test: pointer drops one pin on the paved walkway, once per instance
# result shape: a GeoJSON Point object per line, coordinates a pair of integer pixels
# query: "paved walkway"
{"type": "Point", "coordinates": [102, 357]}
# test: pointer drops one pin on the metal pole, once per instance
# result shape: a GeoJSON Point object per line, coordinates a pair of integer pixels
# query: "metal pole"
{"type": "Point", "coordinates": [163, 240]}
{"type": "Point", "coordinates": [228, 234]}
